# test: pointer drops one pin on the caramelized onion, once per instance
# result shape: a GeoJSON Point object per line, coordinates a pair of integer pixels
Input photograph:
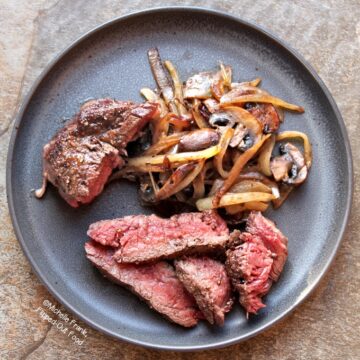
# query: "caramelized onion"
{"type": "Point", "coordinates": [164, 143]}
{"type": "Point", "coordinates": [150, 95]}
{"type": "Point", "coordinates": [248, 120]}
{"type": "Point", "coordinates": [200, 121]}
{"type": "Point", "coordinates": [179, 179]}
{"type": "Point", "coordinates": [179, 98]}
{"type": "Point", "coordinates": [224, 143]}
{"type": "Point", "coordinates": [265, 155]}
{"type": "Point", "coordinates": [155, 163]}
{"type": "Point", "coordinates": [232, 199]}
{"type": "Point", "coordinates": [236, 169]}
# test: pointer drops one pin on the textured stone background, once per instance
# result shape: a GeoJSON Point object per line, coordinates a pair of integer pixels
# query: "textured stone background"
{"type": "Point", "coordinates": [327, 33]}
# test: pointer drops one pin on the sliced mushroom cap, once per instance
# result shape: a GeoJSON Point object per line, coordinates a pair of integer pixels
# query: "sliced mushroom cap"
{"type": "Point", "coordinates": [222, 118]}
{"type": "Point", "coordinates": [301, 176]}
{"type": "Point", "coordinates": [239, 134]}
{"type": "Point", "coordinates": [198, 140]}
{"type": "Point", "coordinates": [280, 167]}
{"type": "Point", "coordinates": [212, 105]}
{"type": "Point", "coordinates": [289, 167]}
{"type": "Point", "coordinates": [295, 154]}
{"type": "Point", "coordinates": [199, 85]}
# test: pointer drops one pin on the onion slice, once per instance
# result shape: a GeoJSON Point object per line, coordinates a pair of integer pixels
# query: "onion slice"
{"type": "Point", "coordinates": [253, 83]}
{"type": "Point", "coordinates": [155, 163]}
{"type": "Point", "coordinates": [200, 121]}
{"type": "Point", "coordinates": [150, 95]}
{"type": "Point", "coordinates": [179, 97]}
{"type": "Point", "coordinates": [250, 186]}
{"type": "Point", "coordinates": [232, 199]}
{"type": "Point", "coordinates": [261, 98]}
{"type": "Point", "coordinates": [224, 143]}
{"type": "Point", "coordinates": [164, 143]}
{"type": "Point", "coordinates": [183, 176]}
{"type": "Point", "coordinates": [247, 119]}
{"type": "Point", "coordinates": [236, 169]}
{"type": "Point", "coordinates": [265, 155]}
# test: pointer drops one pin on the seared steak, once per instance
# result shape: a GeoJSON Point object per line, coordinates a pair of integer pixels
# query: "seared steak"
{"type": "Point", "coordinates": [81, 156]}
{"type": "Point", "coordinates": [249, 266]}
{"type": "Point", "coordinates": [257, 261]}
{"type": "Point", "coordinates": [156, 284]}
{"type": "Point", "coordinates": [273, 239]}
{"type": "Point", "coordinates": [141, 238]}
{"type": "Point", "coordinates": [207, 281]}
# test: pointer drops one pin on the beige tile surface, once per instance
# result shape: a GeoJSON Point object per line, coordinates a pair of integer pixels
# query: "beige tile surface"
{"type": "Point", "coordinates": [327, 33]}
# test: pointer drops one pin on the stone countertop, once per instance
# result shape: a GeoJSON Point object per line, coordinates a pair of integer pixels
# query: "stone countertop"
{"type": "Point", "coordinates": [326, 33]}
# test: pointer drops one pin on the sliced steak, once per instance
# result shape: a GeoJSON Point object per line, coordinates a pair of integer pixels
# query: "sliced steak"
{"type": "Point", "coordinates": [249, 266]}
{"type": "Point", "coordinates": [273, 239]}
{"type": "Point", "coordinates": [141, 238]}
{"type": "Point", "coordinates": [207, 281]}
{"type": "Point", "coordinates": [156, 284]}
{"type": "Point", "coordinates": [81, 156]}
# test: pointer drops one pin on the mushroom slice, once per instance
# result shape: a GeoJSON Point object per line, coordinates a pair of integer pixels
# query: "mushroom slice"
{"type": "Point", "coordinates": [239, 135]}
{"type": "Point", "coordinates": [199, 85]}
{"type": "Point", "coordinates": [280, 167]}
{"type": "Point", "coordinates": [290, 167]}
{"type": "Point", "coordinates": [222, 119]}
{"type": "Point", "coordinates": [212, 105]}
{"type": "Point", "coordinates": [198, 140]}
{"type": "Point", "coordinates": [162, 78]}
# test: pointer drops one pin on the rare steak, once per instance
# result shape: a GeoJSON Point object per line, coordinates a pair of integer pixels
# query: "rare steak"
{"type": "Point", "coordinates": [249, 266]}
{"type": "Point", "coordinates": [81, 156]}
{"type": "Point", "coordinates": [257, 261]}
{"type": "Point", "coordinates": [140, 238]}
{"type": "Point", "coordinates": [155, 283]}
{"type": "Point", "coordinates": [207, 281]}
{"type": "Point", "coordinates": [273, 239]}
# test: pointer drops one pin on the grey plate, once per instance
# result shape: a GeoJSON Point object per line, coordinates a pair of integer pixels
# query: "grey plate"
{"type": "Point", "coordinates": [111, 61]}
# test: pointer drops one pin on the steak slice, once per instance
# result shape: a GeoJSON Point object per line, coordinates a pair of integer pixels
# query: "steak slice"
{"type": "Point", "coordinates": [207, 281]}
{"type": "Point", "coordinates": [141, 238]}
{"type": "Point", "coordinates": [156, 284]}
{"type": "Point", "coordinates": [81, 156]}
{"type": "Point", "coordinates": [272, 238]}
{"type": "Point", "coordinates": [249, 266]}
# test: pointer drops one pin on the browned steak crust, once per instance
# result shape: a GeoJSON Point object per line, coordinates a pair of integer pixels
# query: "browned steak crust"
{"type": "Point", "coordinates": [81, 156]}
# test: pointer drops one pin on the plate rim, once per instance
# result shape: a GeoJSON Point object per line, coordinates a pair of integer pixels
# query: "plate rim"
{"type": "Point", "coordinates": [191, 9]}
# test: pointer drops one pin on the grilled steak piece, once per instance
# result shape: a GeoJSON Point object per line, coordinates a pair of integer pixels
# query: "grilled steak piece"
{"type": "Point", "coordinates": [81, 156]}
{"type": "Point", "coordinates": [257, 261]}
{"type": "Point", "coordinates": [156, 284]}
{"type": "Point", "coordinates": [249, 266]}
{"type": "Point", "coordinates": [207, 281]}
{"type": "Point", "coordinates": [141, 238]}
{"type": "Point", "coordinates": [272, 238]}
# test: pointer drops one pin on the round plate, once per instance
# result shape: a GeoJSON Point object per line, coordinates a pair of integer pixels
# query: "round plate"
{"type": "Point", "coordinates": [111, 61]}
